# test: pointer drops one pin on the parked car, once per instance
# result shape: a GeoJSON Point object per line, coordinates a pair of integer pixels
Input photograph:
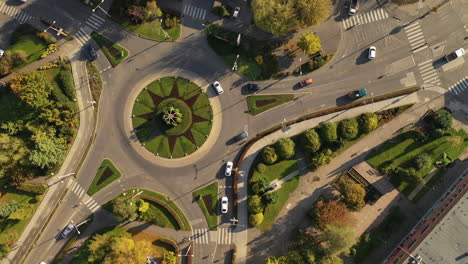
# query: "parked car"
{"type": "Point", "coordinates": [150, 260]}
{"type": "Point", "coordinates": [228, 170]}
{"type": "Point", "coordinates": [372, 52]}
{"type": "Point", "coordinates": [1, 52]}
{"type": "Point", "coordinates": [224, 205]}
{"type": "Point", "coordinates": [357, 94]}
{"type": "Point", "coordinates": [236, 12]}
{"type": "Point", "coordinates": [241, 136]}
{"type": "Point", "coordinates": [67, 231]}
{"type": "Point", "coordinates": [92, 53]}
{"type": "Point", "coordinates": [219, 89]}
{"type": "Point", "coordinates": [353, 7]}
{"type": "Point", "coordinates": [252, 87]}
{"type": "Point", "coordinates": [305, 82]}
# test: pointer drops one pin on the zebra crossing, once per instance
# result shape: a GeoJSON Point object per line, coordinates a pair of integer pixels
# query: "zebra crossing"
{"type": "Point", "coordinates": [459, 86]}
{"type": "Point", "coordinates": [200, 236]}
{"type": "Point", "coordinates": [15, 13]}
{"type": "Point", "coordinates": [428, 72]}
{"type": "Point", "coordinates": [194, 12]}
{"type": "Point", "coordinates": [92, 205]}
{"type": "Point", "coordinates": [415, 37]}
{"type": "Point", "coordinates": [225, 236]}
{"type": "Point", "coordinates": [364, 18]}
{"type": "Point", "coordinates": [93, 23]}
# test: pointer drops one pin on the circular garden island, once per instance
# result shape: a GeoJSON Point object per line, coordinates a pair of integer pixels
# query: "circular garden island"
{"type": "Point", "coordinates": [172, 117]}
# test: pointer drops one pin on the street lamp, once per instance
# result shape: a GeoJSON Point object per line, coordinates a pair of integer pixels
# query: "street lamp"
{"type": "Point", "coordinates": [102, 1]}
{"type": "Point", "coordinates": [53, 22]}
{"type": "Point", "coordinates": [234, 67]}
{"type": "Point", "coordinates": [300, 64]}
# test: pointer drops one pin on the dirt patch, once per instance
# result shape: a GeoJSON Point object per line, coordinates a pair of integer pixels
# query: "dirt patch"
{"type": "Point", "coordinates": [105, 175]}
{"type": "Point", "coordinates": [208, 203]}
{"type": "Point", "coordinates": [260, 103]}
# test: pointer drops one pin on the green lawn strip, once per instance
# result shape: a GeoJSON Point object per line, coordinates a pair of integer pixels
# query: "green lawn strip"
{"type": "Point", "coordinates": [138, 121]}
{"type": "Point", "coordinates": [276, 171]}
{"type": "Point", "coordinates": [160, 216]}
{"type": "Point", "coordinates": [105, 165]}
{"type": "Point", "coordinates": [141, 109]}
{"type": "Point", "coordinates": [278, 100]}
{"type": "Point", "coordinates": [155, 88]}
{"type": "Point", "coordinates": [187, 145]}
{"type": "Point", "coordinates": [198, 137]}
{"type": "Point", "coordinates": [166, 83]}
{"type": "Point", "coordinates": [272, 211]}
{"type": "Point", "coordinates": [187, 89]}
{"type": "Point", "coordinates": [433, 181]}
{"type": "Point", "coordinates": [379, 235]}
{"type": "Point", "coordinates": [245, 66]}
{"type": "Point", "coordinates": [152, 30]}
{"type": "Point", "coordinates": [212, 190]}
{"type": "Point", "coordinates": [164, 149]}
{"type": "Point", "coordinates": [25, 39]}
{"type": "Point", "coordinates": [145, 131]}
{"type": "Point", "coordinates": [113, 51]}
{"type": "Point", "coordinates": [153, 144]}
{"type": "Point", "coordinates": [202, 107]}
{"type": "Point", "coordinates": [203, 127]}
{"type": "Point", "coordinates": [145, 99]}
{"type": "Point", "coordinates": [178, 149]}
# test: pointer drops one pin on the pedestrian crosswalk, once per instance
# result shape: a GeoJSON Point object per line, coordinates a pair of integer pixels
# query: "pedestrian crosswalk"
{"type": "Point", "coordinates": [194, 12]}
{"type": "Point", "coordinates": [428, 72]}
{"type": "Point", "coordinates": [225, 236]}
{"type": "Point", "coordinates": [459, 86]}
{"type": "Point", "coordinates": [364, 18]}
{"type": "Point", "coordinates": [15, 13]}
{"type": "Point", "coordinates": [415, 37]}
{"type": "Point", "coordinates": [93, 23]}
{"type": "Point", "coordinates": [92, 205]}
{"type": "Point", "coordinates": [200, 236]}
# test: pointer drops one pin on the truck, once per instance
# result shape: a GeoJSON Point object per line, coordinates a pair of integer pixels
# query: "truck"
{"type": "Point", "coordinates": [357, 94]}
{"type": "Point", "coordinates": [454, 55]}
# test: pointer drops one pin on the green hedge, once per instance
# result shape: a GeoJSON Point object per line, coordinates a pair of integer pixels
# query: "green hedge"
{"type": "Point", "coordinates": [66, 79]}
{"type": "Point", "coordinates": [34, 188]}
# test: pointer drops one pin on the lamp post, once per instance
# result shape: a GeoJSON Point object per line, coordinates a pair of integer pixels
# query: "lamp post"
{"type": "Point", "coordinates": [234, 67]}
{"type": "Point", "coordinates": [98, 6]}
{"type": "Point", "coordinates": [300, 64]}
{"type": "Point", "coordinates": [53, 22]}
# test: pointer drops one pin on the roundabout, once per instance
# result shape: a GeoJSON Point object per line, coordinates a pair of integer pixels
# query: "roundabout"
{"type": "Point", "coordinates": [172, 117]}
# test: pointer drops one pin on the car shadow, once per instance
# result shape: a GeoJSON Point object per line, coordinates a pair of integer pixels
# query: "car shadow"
{"type": "Point", "coordinates": [363, 57]}
{"type": "Point", "coordinates": [342, 100]}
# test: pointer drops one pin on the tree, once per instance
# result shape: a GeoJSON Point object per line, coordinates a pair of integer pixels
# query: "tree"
{"type": "Point", "coordinates": [256, 219]}
{"type": "Point", "coordinates": [143, 206]}
{"type": "Point", "coordinates": [313, 12]}
{"type": "Point", "coordinates": [408, 175]}
{"type": "Point", "coordinates": [12, 127]}
{"type": "Point", "coordinates": [368, 122]}
{"type": "Point", "coordinates": [338, 239]}
{"type": "Point", "coordinates": [18, 57]}
{"type": "Point", "coordinates": [291, 257]}
{"type": "Point", "coordinates": [442, 119]}
{"type": "Point", "coordinates": [274, 16]}
{"type": "Point", "coordinates": [328, 132]}
{"type": "Point", "coordinates": [48, 150]}
{"type": "Point", "coordinates": [33, 88]}
{"type": "Point", "coordinates": [310, 140]}
{"type": "Point", "coordinates": [334, 259]}
{"type": "Point", "coordinates": [269, 155]}
{"type": "Point", "coordinates": [125, 208]}
{"type": "Point", "coordinates": [154, 10]}
{"type": "Point", "coordinates": [19, 174]}
{"type": "Point", "coordinates": [272, 260]}
{"type": "Point", "coordinates": [422, 161]}
{"type": "Point", "coordinates": [259, 186]}
{"type": "Point", "coordinates": [353, 195]}
{"type": "Point", "coordinates": [322, 158]}
{"type": "Point", "coordinates": [9, 208]}
{"type": "Point", "coordinates": [309, 43]}
{"type": "Point", "coordinates": [22, 213]}
{"type": "Point", "coordinates": [137, 14]}
{"type": "Point", "coordinates": [330, 213]}
{"type": "Point", "coordinates": [270, 197]}
{"type": "Point", "coordinates": [169, 258]}
{"type": "Point", "coordinates": [348, 129]}
{"type": "Point", "coordinates": [255, 204]}
{"type": "Point", "coordinates": [12, 150]}
{"type": "Point", "coordinates": [285, 148]}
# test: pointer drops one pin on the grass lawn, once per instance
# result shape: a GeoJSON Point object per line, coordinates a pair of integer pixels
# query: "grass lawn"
{"type": "Point", "coordinates": [158, 243]}
{"type": "Point", "coordinates": [210, 192]}
{"type": "Point", "coordinates": [25, 39]}
{"type": "Point", "coordinates": [95, 81]}
{"type": "Point", "coordinates": [160, 216]}
{"type": "Point", "coordinates": [260, 103]}
{"type": "Point", "coordinates": [245, 66]}
{"type": "Point", "coordinates": [402, 149]}
{"type": "Point", "coordinates": [372, 240]}
{"type": "Point", "coordinates": [276, 171]}
{"type": "Point", "coordinates": [433, 181]}
{"type": "Point", "coordinates": [106, 174]}
{"type": "Point", "coordinates": [113, 51]}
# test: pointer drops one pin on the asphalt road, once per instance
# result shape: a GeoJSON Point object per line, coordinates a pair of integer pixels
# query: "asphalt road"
{"type": "Point", "coordinates": [395, 67]}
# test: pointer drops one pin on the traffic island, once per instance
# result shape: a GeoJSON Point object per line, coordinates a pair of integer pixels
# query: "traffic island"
{"type": "Point", "coordinates": [172, 117]}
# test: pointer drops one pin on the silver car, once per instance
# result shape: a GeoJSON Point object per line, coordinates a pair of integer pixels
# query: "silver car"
{"type": "Point", "coordinates": [224, 205]}
{"type": "Point", "coordinates": [219, 89]}
{"type": "Point", "coordinates": [228, 170]}
{"type": "Point", "coordinates": [66, 232]}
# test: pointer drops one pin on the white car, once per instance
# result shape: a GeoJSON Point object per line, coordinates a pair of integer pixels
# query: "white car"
{"type": "Point", "coordinates": [224, 205]}
{"type": "Point", "coordinates": [236, 12]}
{"type": "Point", "coordinates": [372, 52]}
{"type": "Point", "coordinates": [228, 170]}
{"type": "Point", "coordinates": [67, 231]}
{"type": "Point", "coordinates": [1, 52]}
{"type": "Point", "coordinates": [218, 87]}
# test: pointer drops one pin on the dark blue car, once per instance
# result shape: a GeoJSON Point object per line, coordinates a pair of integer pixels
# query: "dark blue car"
{"type": "Point", "coordinates": [92, 53]}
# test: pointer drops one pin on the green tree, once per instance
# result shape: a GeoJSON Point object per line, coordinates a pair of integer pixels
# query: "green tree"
{"type": "Point", "coordinates": [269, 155]}
{"type": "Point", "coordinates": [313, 12]}
{"type": "Point", "coordinates": [255, 204]}
{"type": "Point", "coordinates": [12, 127]}
{"type": "Point", "coordinates": [338, 239]}
{"type": "Point", "coordinates": [169, 258]}
{"type": "Point", "coordinates": [276, 17]}
{"type": "Point", "coordinates": [292, 257]}
{"type": "Point", "coordinates": [7, 209]}
{"type": "Point", "coordinates": [143, 206]}
{"type": "Point", "coordinates": [309, 43]}
{"type": "Point", "coordinates": [334, 259]}
{"type": "Point", "coordinates": [259, 186]}
{"type": "Point", "coordinates": [285, 148]}
{"type": "Point", "coordinates": [272, 260]}
{"type": "Point", "coordinates": [328, 132]}
{"type": "Point", "coordinates": [256, 219]}
{"type": "Point", "coordinates": [12, 150]}
{"type": "Point", "coordinates": [368, 122]}
{"type": "Point", "coordinates": [330, 213]}
{"type": "Point", "coordinates": [320, 159]}
{"type": "Point", "coordinates": [348, 129]}
{"type": "Point", "coordinates": [125, 208]}
{"type": "Point", "coordinates": [48, 150]}
{"type": "Point", "coordinates": [33, 88]}
{"type": "Point", "coordinates": [310, 140]}
{"type": "Point", "coordinates": [353, 195]}
{"type": "Point", "coordinates": [442, 120]}
{"type": "Point", "coordinates": [270, 197]}
{"type": "Point", "coordinates": [422, 161]}
{"type": "Point", "coordinates": [24, 212]}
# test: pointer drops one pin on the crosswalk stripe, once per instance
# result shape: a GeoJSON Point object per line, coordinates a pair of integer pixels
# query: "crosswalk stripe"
{"type": "Point", "coordinates": [74, 186]}
{"type": "Point", "coordinates": [415, 36]}
{"type": "Point", "coordinates": [413, 30]}
{"type": "Point", "coordinates": [458, 90]}
{"type": "Point", "coordinates": [419, 49]}
{"type": "Point", "coordinates": [415, 24]}
{"type": "Point", "coordinates": [203, 14]}
{"type": "Point", "coordinates": [80, 192]}
{"type": "Point", "coordinates": [425, 62]}
{"type": "Point", "coordinates": [416, 43]}
{"type": "Point", "coordinates": [429, 75]}
{"type": "Point", "coordinates": [98, 18]}
{"type": "Point", "coordinates": [377, 14]}
{"type": "Point", "coordinates": [426, 71]}
{"type": "Point", "coordinates": [93, 205]}
{"type": "Point", "coordinates": [426, 66]}
{"type": "Point", "coordinates": [90, 200]}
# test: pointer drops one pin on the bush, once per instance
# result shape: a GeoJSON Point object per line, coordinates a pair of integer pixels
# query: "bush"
{"type": "Point", "coordinates": [442, 119]}
{"type": "Point", "coordinates": [353, 195]}
{"type": "Point", "coordinates": [255, 204]}
{"type": "Point", "coordinates": [171, 22]}
{"type": "Point", "coordinates": [270, 197]}
{"type": "Point", "coordinates": [50, 49]}
{"type": "Point", "coordinates": [320, 159]}
{"type": "Point", "coordinates": [261, 167]}
{"type": "Point", "coordinates": [18, 57]}
{"type": "Point", "coordinates": [348, 129]}
{"type": "Point", "coordinates": [34, 188]}
{"type": "Point", "coordinates": [66, 79]}
{"type": "Point", "coordinates": [422, 161]}
{"type": "Point", "coordinates": [256, 219]}
{"type": "Point", "coordinates": [269, 155]}
{"type": "Point", "coordinates": [285, 148]}
{"type": "Point", "coordinates": [38, 198]}
{"type": "Point", "coordinates": [9, 208]}
{"type": "Point", "coordinates": [408, 175]}
{"type": "Point", "coordinates": [4, 249]}
{"type": "Point", "coordinates": [437, 133]}
{"type": "Point", "coordinates": [24, 212]}
{"type": "Point", "coordinates": [48, 39]}
{"type": "Point", "coordinates": [328, 132]}
{"type": "Point", "coordinates": [220, 11]}
{"type": "Point", "coordinates": [368, 122]}
{"type": "Point", "coordinates": [259, 186]}
{"type": "Point", "coordinates": [310, 140]}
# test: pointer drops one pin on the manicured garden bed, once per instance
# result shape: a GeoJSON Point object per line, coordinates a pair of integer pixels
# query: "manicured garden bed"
{"type": "Point", "coordinates": [166, 140]}
{"type": "Point", "coordinates": [113, 51]}
{"type": "Point", "coordinates": [106, 174]}
{"type": "Point", "coordinates": [207, 199]}
{"type": "Point", "coordinates": [260, 103]}
{"type": "Point", "coordinates": [313, 64]}
{"type": "Point", "coordinates": [95, 81]}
